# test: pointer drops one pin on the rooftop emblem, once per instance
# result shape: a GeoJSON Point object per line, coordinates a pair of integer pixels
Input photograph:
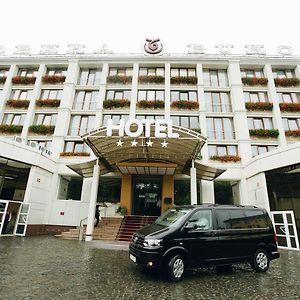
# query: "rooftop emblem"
{"type": "Point", "coordinates": [153, 46]}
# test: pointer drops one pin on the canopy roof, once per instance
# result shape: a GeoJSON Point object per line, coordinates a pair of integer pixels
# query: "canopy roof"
{"type": "Point", "coordinates": [122, 154]}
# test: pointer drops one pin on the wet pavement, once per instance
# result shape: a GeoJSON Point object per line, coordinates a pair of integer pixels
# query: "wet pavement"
{"type": "Point", "coordinates": [46, 268]}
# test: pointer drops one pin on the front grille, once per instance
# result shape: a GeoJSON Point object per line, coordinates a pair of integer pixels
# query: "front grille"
{"type": "Point", "coordinates": [136, 244]}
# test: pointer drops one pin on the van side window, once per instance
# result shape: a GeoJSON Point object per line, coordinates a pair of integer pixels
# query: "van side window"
{"type": "Point", "coordinates": [257, 219]}
{"type": "Point", "coordinates": [203, 220]}
{"type": "Point", "coordinates": [231, 219]}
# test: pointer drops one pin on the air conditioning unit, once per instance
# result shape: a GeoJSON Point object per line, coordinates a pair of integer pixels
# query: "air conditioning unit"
{"type": "Point", "coordinates": [18, 139]}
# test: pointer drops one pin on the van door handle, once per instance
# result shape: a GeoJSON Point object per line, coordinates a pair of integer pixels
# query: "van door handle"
{"type": "Point", "coordinates": [212, 233]}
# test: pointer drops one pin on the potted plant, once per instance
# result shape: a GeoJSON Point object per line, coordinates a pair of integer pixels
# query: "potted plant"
{"type": "Point", "coordinates": [185, 104]}
{"type": "Point", "coordinates": [151, 104]}
{"type": "Point", "coordinates": [226, 158]}
{"type": "Point", "coordinates": [293, 133]}
{"type": "Point", "coordinates": [18, 103]}
{"type": "Point", "coordinates": [11, 128]}
{"type": "Point", "coordinates": [23, 80]}
{"type": "Point", "coordinates": [68, 154]}
{"type": "Point", "coordinates": [184, 80]}
{"type": "Point", "coordinates": [265, 106]}
{"type": "Point", "coordinates": [47, 102]}
{"type": "Point", "coordinates": [116, 103]}
{"type": "Point", "coordinates": [286, 81]}
{"type": "Point", "coordinates": [122, 210]}
{"type": "Point", "coordinates": [152, 79]}
{"type": "Point", "coordinates": [53, 79]}
{"type": "Point", "coordinates": [254, 81]}
{"type": "Point", "coordinates": [119, 79]}
{"type": "Point", "coordinates": [264, 132]}
{"type": "Point", "coordinates": [2, 79]}
{"type": "Point", "coordinates": [42, 129]}
{"type": "Point", "coordinates": [289, 107]}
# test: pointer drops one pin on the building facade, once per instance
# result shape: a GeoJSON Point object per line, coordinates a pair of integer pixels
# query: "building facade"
{"type": "Point", "coordinates": [246, 107]}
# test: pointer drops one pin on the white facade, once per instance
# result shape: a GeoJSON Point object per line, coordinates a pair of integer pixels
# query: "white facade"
{"type": "Point", "coordinates": [222, 117]}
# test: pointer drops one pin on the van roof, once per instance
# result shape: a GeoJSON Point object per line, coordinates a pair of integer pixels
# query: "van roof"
{"type": "Point", "coordinates": [219, 206]}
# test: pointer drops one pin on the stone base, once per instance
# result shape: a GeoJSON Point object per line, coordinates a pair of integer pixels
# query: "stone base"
{"type": "Point", "coordinates": [39, 229]}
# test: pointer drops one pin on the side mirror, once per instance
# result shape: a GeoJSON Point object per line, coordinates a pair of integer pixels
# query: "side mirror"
{"type": "Point", "coordinates": [190, 226]}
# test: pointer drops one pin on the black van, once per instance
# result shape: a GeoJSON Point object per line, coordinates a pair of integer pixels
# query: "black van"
{"type": "Point", "coordinates": [194, 236]}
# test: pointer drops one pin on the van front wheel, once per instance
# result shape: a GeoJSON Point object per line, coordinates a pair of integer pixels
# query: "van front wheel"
{"type": "Point", "coordinates": [260, 261]}
{"type": "Point", "coordinates": [176, 267]}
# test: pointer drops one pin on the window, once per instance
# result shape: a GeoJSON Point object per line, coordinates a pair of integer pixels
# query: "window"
{"type": "Point", "coordinates": [184, 95]}
{"type": "Point", "coordinates": [45, 119]}
{"type": "Point", "coordinates": [202, 220]}
{"type": "Point", "coordinates": [3, 72]}
{"type": "Point", "coordinates": [149, 117]}
{"type": "Point", "coordinates": [255, 97]}
{"type": "Point", "coordinates": [217, 102]}
{"type": "Point", "coordinates": [288, 97]}
{"type": "Point", "coordinates": [51, 94]}
{"type": "Point", "coordinates": [291, 124]}
{"type": "Point", "coordinates": [118, 94]}
{"type": "Point", "coordinates": [222, 150]}
{"type": "Point", "coordinates": [251, 73]}
{"type": "Point", "coordinates": [89, 77]}
{"type": "Point", "coordinates": [81, 124]}
{"type": "Point", "coordinates": [220, 128]}
{"type": "Point", "coordinates": [260, 123]}
{"type": "Point", "coordinates": [259, 149]}
{"type": "Point", "coordinates": [152, 71]}
{"type": "Point", "coordinates": [70, 188]}
{"type": "Point", "coordinates": [116, 71]}
{"type": "Point", "coordinates": [85, 100]}
{"type": "Point", "coordinates": [21, 94]}
{"type": "Point", "coordinates": [115, 118]}
{"type": "Point", "coordinates": [151, 95]}
{"type": "Point", "coordinates": [72, 146]}
{"type": "Point", "coordinates": [13, 119]}
{"type": "Point", "coordinates": [231, 219]}
{"type": "Point", "coordinates": [183, 72]}
{"type": "Point", "coordinates": [27, 72]}
{"type": "Point", "coordinates": [215, 78]}
{"type": "Point", "coordinates": [56, 71]}
{"type": "Point", "coordinates": [283, 73]}
{"type": "Point", "coordinates": [186, 121]}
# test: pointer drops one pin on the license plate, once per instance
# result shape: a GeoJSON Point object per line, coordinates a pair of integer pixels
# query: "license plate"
{"type": "Point", "coordinates": [133, 258]}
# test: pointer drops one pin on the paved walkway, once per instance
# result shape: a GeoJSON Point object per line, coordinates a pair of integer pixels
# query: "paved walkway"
{"type": "Point", "coordinates": [45, 268]}
{"type": "Point", "coordinates": [110, 245]}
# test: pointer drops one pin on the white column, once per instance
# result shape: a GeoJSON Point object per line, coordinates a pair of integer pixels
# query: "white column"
{"type": "Point", "coordinates": [134, 90]}
{"type": "Point", "coordinates": [102, 95]}
{"type": "Point", "coordinates": [92, 205]}
{"type": "Point", "coordinates": [276, 109]}
{"type": "Point", "coordinates": [193, 179]}
{"type": "Point", "coordinates": [167, 90]}
{"type": "Point", "coordinates": [207, 192]}
{"type": "Point", "coordinates": [35, 95]}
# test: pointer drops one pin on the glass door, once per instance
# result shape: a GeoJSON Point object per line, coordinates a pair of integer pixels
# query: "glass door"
{"type": "Point", "coordinates": [3, 216]}
{"type": "Point", "coordinates": [21, 225]}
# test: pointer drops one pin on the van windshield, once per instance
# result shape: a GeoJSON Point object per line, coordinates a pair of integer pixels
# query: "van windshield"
{"type": "Point", "coordinates": [172, 216]}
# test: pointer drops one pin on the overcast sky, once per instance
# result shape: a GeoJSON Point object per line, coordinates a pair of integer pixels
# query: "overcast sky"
{"type": "Point", "coordinates": [123, 25]}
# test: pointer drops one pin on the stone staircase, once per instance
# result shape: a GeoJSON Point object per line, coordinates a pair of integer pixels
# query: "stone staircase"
{"type": "Point", "coordinates": [131, 224]}
{"type": "Point", "coordinates": [107, 229]}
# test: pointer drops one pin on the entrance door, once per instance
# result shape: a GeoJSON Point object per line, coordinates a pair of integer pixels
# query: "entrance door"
{"type": "Point", "coordinates": [3, 216]}
{"type": "Point", "coordinates": [147, 193]}
{"type": "Point", "coordinates": [21, 227]}
{"type": "Point", "coordinates": [285, 228]}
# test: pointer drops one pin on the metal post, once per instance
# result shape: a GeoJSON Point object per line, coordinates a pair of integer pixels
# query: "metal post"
{"type": "Point", "coordinates": [193, 184]}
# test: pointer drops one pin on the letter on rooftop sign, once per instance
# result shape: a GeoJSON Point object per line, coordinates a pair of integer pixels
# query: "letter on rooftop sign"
{"type": "Point", "coordinates": [76, 49]}
{"type": "Point", "coordinates": [22, 50]}
{"type": "Point", "coordinates": [255, 50]}
{"type": "Point", "coordinates": [196, 49]}
{"type": "Point", "coordinates": [224, 48]}
{"type": "Point", "coordinates": [285, 50]}
{"type": "Point", "coordinates": [49, 49]}
{"type": "Point", "coordinates": [2, 50]}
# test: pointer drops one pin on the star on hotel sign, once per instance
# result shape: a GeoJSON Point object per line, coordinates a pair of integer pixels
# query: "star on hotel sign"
{"type": "Point", "coordinates": [164, 144]}
{"type": "Point", "coordinates": [120, 143]}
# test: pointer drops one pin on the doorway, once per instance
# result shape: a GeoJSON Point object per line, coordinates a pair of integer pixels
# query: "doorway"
{"type": "Point", "coordinates": [147, 194]}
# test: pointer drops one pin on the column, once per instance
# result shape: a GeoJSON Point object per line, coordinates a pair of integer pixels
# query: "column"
{"type": "Point", "coordinates": [102, 95]}
{"type": "Point", "coordinates": [64, 111]}
{"type": "Point", "coordinates": [35, 95]}
{"type": "Point", "coordinates": [193, 178]}
{"type": "Point", "coordinates": [167, 192]}
{"type": "Point", "coordinates": [126, 192]}
{"type": "Point", "coordinates": [276, 109]}
{"type": "Point", "coordinates": [92, 205]}
{"type": "Point", "coordinates": [134, 90]}
{"type": "Point", "coordinates": [6, 91]}
{"type": "Point", "coordinates": [207, 192]}
{"type": "Point", "coordinates": [239, 111]}
{"type": "Point", "coordinates": [167, 90]}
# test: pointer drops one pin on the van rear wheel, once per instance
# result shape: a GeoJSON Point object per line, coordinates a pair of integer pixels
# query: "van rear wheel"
{"type": "Point", "coordinates": [261, 261]}
{"type": "Point", "coordinates": [176, 267]}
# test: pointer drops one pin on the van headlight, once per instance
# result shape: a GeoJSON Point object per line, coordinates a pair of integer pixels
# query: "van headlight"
{"type": "Point", "coordinates": [152, 243]}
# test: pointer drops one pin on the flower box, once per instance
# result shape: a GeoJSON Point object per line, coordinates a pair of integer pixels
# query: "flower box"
{"type": "Point", "coordinates": [151, 104]}
{"type": "Point", "coordinates": [119, 79]}
{"type": "Point", "coordinates": [197, 130]}
{"type": "Point", "coordinates": [254, 81]}
{"type": "Point", "coordinates": [295, 133]}
{"type": "Point", "coordinates": [152, 79]}
{"type": "Point", "coordinates": [2, 79]}
{"type": "Point", "coordinates": [226, 158]}
{"type": "Point", "coordinates": [53, 79]}
{"type": "Point", "coordinates": [259, 106]}
{"type": "Point", "coordinates": [47, 102]}
{"type": "Point", "coordinates": [23, 80]}
{"type": "Point", "coordinates": [18, 103]}
{"type": "Point", "coordinates": [68, 154]}
{"type": "Point", "coordinates": [116, 103]}
{"type": "Point", "coordinates": [11, 128]}
{"type": "Point", "coordinates": [185, 104]}
{"type": "Point", "coordinates": [42, 129]}
{"type": "Point", "coordinates": [290, 107]}
{"type": "Point", "coordinates": [184, 80]}
{"type": "Point", "coordinates": [264, 132]}
{"type": "Point", "coordinates": [286, 81]}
